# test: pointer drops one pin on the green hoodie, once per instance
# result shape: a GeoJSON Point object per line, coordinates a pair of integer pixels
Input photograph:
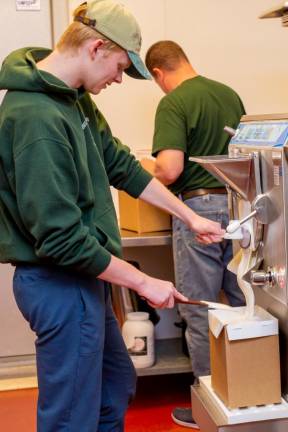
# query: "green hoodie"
{"type": "Point", "coordinates": [57, 162]}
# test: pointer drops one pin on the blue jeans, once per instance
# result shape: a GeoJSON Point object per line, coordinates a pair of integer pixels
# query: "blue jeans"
{"type": "Point", "coordinates": [85, 376]}
{"type": "Point", "coordinates": [200, 273]}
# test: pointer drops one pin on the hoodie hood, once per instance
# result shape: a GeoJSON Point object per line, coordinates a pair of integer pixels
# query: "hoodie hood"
{"type": "Point", "coordinates": [19, 72]}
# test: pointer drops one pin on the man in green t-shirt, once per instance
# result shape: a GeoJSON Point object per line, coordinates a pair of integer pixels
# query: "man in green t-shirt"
{"type": "Point", "coordinates": [189, 122]}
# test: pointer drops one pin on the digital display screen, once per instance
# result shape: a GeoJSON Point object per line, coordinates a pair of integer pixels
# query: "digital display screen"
{"type": "Point", "coordinates": [274, 134]}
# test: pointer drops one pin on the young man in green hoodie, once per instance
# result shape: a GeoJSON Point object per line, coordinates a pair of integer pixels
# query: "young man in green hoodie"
{"type": "Point", "coordinates": [58, 226]}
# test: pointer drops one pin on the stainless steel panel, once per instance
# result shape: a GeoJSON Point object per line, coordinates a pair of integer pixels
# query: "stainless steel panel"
{"type": "Point", "coordinates": [234, 171]}
{"type": "Point", "coordinates": [210, 419]}
{"type": "Point", "coordinates": [279, 310]}
{"type": "Point", "coordinates": [133, 239]}
{"type": "Point", "coordinates": [264, 117]}
{"type": "Point", "coordinates": [273, 295]}
{"type": "Point", "coordinates": [274, 167]}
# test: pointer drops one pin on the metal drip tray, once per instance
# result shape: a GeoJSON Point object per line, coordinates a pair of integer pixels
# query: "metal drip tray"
{"type": "Point", "coordinates": [237, 172]}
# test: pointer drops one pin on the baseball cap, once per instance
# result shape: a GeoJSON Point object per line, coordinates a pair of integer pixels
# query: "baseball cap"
{"type": "Point", "coordinates": [115, 22]}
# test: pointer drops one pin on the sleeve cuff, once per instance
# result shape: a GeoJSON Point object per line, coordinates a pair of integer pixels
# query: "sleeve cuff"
{"type": "Point", "coordinates": [138, 183]}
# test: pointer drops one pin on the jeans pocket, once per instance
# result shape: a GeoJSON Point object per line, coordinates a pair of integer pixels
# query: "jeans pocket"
{"type": "Point", "coordinates": [20, 295]}
{"type": "Point", "coordinates": [83, 306]}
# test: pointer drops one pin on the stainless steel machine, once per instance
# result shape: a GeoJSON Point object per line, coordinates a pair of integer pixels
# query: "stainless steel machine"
{"type": "Point", "coordinates": [256, 175]}
{"type": "Point", "coordinates": [255, 172]}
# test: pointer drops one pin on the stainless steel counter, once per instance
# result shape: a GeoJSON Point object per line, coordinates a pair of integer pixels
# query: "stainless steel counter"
{"type": "Point", "coordinates": [132, 239]}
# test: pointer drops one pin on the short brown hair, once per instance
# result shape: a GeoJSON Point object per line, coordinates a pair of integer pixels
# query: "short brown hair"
{"type": "Point", "coordinates": [77, 33]}
{"type": "Point", "coordinates": [165, 55]}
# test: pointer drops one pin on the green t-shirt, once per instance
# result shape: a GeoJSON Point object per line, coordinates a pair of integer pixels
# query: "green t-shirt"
{"type": "Point", "coordinates": [191, 118]}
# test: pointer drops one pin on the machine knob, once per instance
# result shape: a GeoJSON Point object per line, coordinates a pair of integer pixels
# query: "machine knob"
{"type": "Point", "coordinates": [261, 277]}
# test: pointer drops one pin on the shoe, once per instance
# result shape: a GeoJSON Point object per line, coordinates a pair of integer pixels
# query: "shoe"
{"type": "Point", "coordinates": [183, 417]}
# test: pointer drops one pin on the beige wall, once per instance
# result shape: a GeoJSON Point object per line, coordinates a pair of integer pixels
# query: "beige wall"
{"type": "Point", "coordinates": [225, 41]}
{"type": "Point", "coordinates": [18, 29]}
{"type": "Point", "coordinates": [23, 28]}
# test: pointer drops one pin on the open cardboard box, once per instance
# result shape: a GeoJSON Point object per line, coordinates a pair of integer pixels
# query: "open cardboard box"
{"type": "Point", "coordinates": [245, 361]}
{"type": "Point", "coordinates": [137, 215]}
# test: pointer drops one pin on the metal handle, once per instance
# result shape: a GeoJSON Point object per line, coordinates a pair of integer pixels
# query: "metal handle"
{"type": "Point", "coordinates": [230, 130]}
{"type": "Point", "coordinates": [246, 218]}
{"type": "Point", "coordinates": [232, 227]}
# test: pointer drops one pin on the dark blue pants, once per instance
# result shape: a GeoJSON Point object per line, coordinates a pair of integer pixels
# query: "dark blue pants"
{"type": "Point", "coordinates": [85, 376]}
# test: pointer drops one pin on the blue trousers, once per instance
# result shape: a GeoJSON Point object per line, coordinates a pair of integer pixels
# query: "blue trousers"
{"type": "Point", "coordinates": [85, 376]}
{"type": "Point", "coordinates": [200, 273]}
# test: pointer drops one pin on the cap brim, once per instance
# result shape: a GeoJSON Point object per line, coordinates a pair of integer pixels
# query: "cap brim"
{"type": "Point", "coordinates": [137, 69]}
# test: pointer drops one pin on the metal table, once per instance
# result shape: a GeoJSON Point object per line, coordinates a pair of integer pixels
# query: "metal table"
{"type": "Point", "coordinates": [133, 239]}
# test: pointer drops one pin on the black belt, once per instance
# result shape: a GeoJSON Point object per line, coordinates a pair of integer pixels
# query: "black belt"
{"type": "Point", "coordinates": [202, 191]}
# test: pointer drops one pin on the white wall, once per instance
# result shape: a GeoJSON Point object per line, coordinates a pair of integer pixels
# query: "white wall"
{"type": "Point", "coordinates": [224, 40]}
{"type": "Point", "coordinates": [18, 29]}
{"type": "Point", "coordinates": [23, 28]}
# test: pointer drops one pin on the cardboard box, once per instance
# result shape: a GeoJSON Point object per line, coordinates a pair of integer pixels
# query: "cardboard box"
{"type": "Point", "coordinates": [245, 361]}
{"type": "Point", "coordinates": [137, 215]}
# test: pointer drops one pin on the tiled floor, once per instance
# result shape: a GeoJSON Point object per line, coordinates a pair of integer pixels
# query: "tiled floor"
{"type": "Point", "coordinates": [156, 396]}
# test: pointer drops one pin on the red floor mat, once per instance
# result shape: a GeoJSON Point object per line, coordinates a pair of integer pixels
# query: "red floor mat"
{"type": "Point", "coordinates": [156, 398]}
{"type": "Point", "coordinates": [150, 411]}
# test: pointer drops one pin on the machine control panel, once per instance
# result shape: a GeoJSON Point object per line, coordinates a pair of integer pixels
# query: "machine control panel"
{"type": "Point", "coordinates": [270, 133]}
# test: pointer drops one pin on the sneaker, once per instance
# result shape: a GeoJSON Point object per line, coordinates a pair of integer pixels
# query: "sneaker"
{"type": "Point", "coordinates": [183, 417]}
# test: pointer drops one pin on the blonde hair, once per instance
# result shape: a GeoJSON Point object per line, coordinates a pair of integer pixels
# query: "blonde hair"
{"type": "Point", "coordinates": [77, 33]}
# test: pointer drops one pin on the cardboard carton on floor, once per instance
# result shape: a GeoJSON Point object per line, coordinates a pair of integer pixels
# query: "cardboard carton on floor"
{"type": "Point", "coordinates": [137, 215]}
{"type": "Point", "coordinates": [245, 361]}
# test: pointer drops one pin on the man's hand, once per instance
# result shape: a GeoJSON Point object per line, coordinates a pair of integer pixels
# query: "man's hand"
{"type": "Point", "coordinates": [159, 293]}
{"type": "Point", "coordinates": [207, 231]}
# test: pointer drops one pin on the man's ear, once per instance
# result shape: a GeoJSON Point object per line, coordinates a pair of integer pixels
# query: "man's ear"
{"type": "Point", "coordinates": [94, 47]}
{"type": "Point", "coordinates": [157, 74]}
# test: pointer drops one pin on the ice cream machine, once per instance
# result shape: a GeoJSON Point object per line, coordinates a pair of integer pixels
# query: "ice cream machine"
{"type": "Point", "coordinates": [256, 174]}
